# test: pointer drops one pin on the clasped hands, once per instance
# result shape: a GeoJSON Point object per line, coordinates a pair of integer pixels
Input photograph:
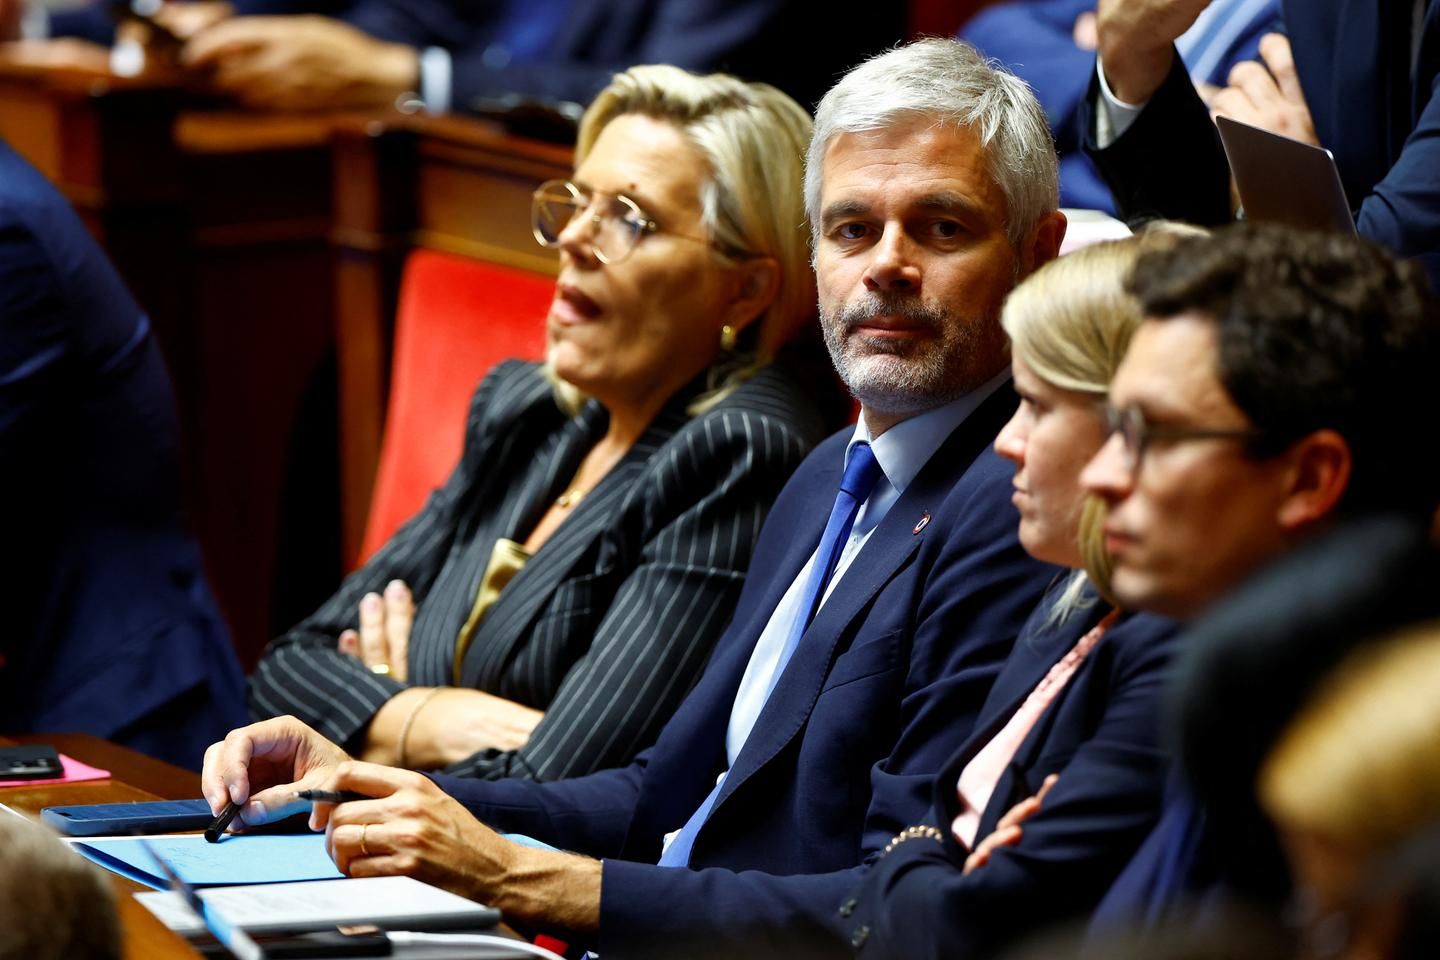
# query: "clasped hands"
{"type": "Point", "coordinates": [415, 728]}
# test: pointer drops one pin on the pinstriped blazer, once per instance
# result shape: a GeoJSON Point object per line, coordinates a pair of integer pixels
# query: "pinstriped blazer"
{"type": "Point", "coordinates": [610, 623]}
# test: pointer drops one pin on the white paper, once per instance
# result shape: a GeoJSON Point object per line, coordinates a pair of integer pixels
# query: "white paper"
{"type": "Point", "coordinates": [317, 904]}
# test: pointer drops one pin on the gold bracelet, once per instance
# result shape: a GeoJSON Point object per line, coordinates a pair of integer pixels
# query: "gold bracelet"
{"type": "Point", "coordinates": [403, 759]}
{"type": "Point", "coordinates": [911, 833]}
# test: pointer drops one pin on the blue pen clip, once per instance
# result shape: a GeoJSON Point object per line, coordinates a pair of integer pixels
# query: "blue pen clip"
{"type": "Point", "coordinates": [231, 937]}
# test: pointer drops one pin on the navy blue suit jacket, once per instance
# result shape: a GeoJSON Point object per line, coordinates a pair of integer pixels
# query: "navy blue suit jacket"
{"type": "Point", "coordinates": [1099, 735]}
{"type": "Point", "coordinates": [1382, 124]}
{"type": "Point", "coordinates": [110, 628]}
{"type": "Point", "coordinates": [892, 670]}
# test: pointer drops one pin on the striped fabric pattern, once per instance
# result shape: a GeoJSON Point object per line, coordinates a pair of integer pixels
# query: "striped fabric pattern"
{"type": "Point", "coordinates": [610, 623]}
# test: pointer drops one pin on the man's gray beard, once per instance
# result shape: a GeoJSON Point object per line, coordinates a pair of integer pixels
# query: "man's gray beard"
{"type": "Point", "coordinates": [921, 376]}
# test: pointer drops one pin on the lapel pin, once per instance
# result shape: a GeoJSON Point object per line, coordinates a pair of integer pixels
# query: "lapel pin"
{"type": "Point", "coordinates": [924, 522]}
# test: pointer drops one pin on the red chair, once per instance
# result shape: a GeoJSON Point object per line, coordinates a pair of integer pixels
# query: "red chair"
{"type": "Point", "coordinates": [456, 319]}
{"type": "Point", "coordinates": [939, 18]}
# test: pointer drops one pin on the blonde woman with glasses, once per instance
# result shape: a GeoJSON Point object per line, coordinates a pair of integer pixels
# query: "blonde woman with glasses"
{"type": "Point", "coordinates": [545, 612]}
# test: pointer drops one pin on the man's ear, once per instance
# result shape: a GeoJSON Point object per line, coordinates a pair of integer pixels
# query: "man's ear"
{"type": "Point", "coordinates": [1042, 243]}
{"type": "Point", "coordinates": [757, 286]}
{"type": "Point", "coordinates": [1317, 476]}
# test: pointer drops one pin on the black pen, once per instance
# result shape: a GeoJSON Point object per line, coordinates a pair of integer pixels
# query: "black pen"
{"type": "Point", "coordinates": [331, 796]}
{"type": "Point", "coordinates": [212, 832]}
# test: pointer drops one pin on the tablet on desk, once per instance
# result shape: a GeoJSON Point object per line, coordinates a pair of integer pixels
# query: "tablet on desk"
{"type": "Point", "coordinates": [1284, 181]}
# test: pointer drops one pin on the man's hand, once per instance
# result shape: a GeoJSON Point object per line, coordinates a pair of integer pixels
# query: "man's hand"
{"type": "Point", "coordinates": [261, 767]}
{"type": "Point", "coordinates": [1007, 830]}
{"type": "Point", "coordinates": [303, 63]}
{"type": "Point", "coordinates": [1136, 40]}
{"type": "Point", "coordinates": [384, 636]}
{"type": "Point", "coordinates": [415, 829]}
{"type": "Point", "coordinates": [1268, 96]}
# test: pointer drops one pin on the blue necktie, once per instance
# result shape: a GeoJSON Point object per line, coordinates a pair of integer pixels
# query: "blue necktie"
{"type": "Point", "coordinates": [861, 472]}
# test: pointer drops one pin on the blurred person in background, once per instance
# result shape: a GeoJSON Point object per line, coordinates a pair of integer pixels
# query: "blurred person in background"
{"type": "Point", "coordinates": [451, 55]}
{"type": "Point", "coordinates": [1353, 788]}
{"type": "Point", "coordinates": [1358, 78]}
{"type": "Point", "coordinates": [1051, 44]}
{"type": "Point", "coordinates": [111, 628]}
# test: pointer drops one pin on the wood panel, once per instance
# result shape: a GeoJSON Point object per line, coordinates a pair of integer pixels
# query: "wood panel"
{"type": "Point", "coordinates": [445, 183]}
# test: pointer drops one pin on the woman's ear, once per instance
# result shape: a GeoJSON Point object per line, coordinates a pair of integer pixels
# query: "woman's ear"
{"type": "Point", "coordinates": [1319, 474]}
{"type": "Point", "coordinates": [757, 286]}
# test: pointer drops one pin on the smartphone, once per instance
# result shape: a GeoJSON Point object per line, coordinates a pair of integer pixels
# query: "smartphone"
{"type": "Point", "coordinates": [109, 819]}
{"type": "Point", "coordinates": [34, 761]}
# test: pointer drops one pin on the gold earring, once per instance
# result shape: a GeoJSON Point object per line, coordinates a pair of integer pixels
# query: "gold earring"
{"type": "Point", "coordinates": [727, 338]}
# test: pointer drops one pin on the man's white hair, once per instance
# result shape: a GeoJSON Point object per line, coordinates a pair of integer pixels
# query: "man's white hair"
{"type": "Point", "coordinates": [950, 81]}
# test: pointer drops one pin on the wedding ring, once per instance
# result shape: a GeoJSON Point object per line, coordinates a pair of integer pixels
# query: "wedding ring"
{"type": "Point", "coordinates": [380, 668]}
{"type": "Point", "coordinates": [363, 850]}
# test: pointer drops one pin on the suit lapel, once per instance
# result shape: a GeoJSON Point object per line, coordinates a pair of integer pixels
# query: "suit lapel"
{"type": "Point", "coordinates": [892, 545]}
{"type": "Point", "coordinates": [535, 587]}
{"type": "Point", "coordinates": [1035, 652]}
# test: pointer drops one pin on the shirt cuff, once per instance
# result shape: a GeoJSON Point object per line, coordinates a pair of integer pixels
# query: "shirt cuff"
{"type": "Point", "coordinates": [34, 21]}
{"type": "Point", "coordinates": [1115, 116]}
{"type": "Point", "coordinates": [435, 79]}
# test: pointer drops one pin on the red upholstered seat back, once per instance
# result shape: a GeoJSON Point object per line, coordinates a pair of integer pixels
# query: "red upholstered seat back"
{"type": "Point", "coordinates": [456, 319]}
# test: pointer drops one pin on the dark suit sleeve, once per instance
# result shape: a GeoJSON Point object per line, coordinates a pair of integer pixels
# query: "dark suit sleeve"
{"type": "Point", "coordinates": [1036, 39]}
{"type": "Point", "coordinates": [34, 343]}
{"type": "Point", "coordinates": [1403, 210]}
{"type": "Point", "coordinates": [978, 590]}
{"type": "Point", "coordinates": [708, 492]}
{"type": "Point", "coordinates": [918, 903]}
{"type": "Point", "coordinates": [1170, 163]}
{"type": "Point", "coordinates": [590, 814]}
{"type": "Point", "coordinates": [303, 673]}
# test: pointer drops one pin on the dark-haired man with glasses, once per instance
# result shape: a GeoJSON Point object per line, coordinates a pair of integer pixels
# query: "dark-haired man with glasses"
{"type": "Point", "coordinates": [1269, 393]}
{"type": "Point", "coordinates": [1265, 394]}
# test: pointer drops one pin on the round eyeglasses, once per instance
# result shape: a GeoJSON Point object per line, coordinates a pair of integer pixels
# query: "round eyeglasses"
{"type": "Point", "coordinates": [1137, 433]}
{"type": "Point", "coordinates": [616, 223]}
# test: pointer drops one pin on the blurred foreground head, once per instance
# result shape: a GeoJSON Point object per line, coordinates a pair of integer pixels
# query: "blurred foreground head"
{"type": "Point", "coordinates": [54, 905]}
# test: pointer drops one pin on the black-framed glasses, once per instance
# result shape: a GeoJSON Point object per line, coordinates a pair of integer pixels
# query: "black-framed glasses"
{"type": "Point", "coordinates": [1137, 433]}
{"type": "Point", "coordinates": [616, 223]}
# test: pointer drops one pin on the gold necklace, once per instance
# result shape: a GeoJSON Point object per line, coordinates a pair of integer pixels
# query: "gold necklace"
{"type": "Point", "coordinates": [569, 498]}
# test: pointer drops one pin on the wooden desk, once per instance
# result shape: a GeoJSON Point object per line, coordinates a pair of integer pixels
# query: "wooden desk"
{"type": "Point", "coordinates": [446, 183]}
{"type": "Point", "coordinates": [133, 777]}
